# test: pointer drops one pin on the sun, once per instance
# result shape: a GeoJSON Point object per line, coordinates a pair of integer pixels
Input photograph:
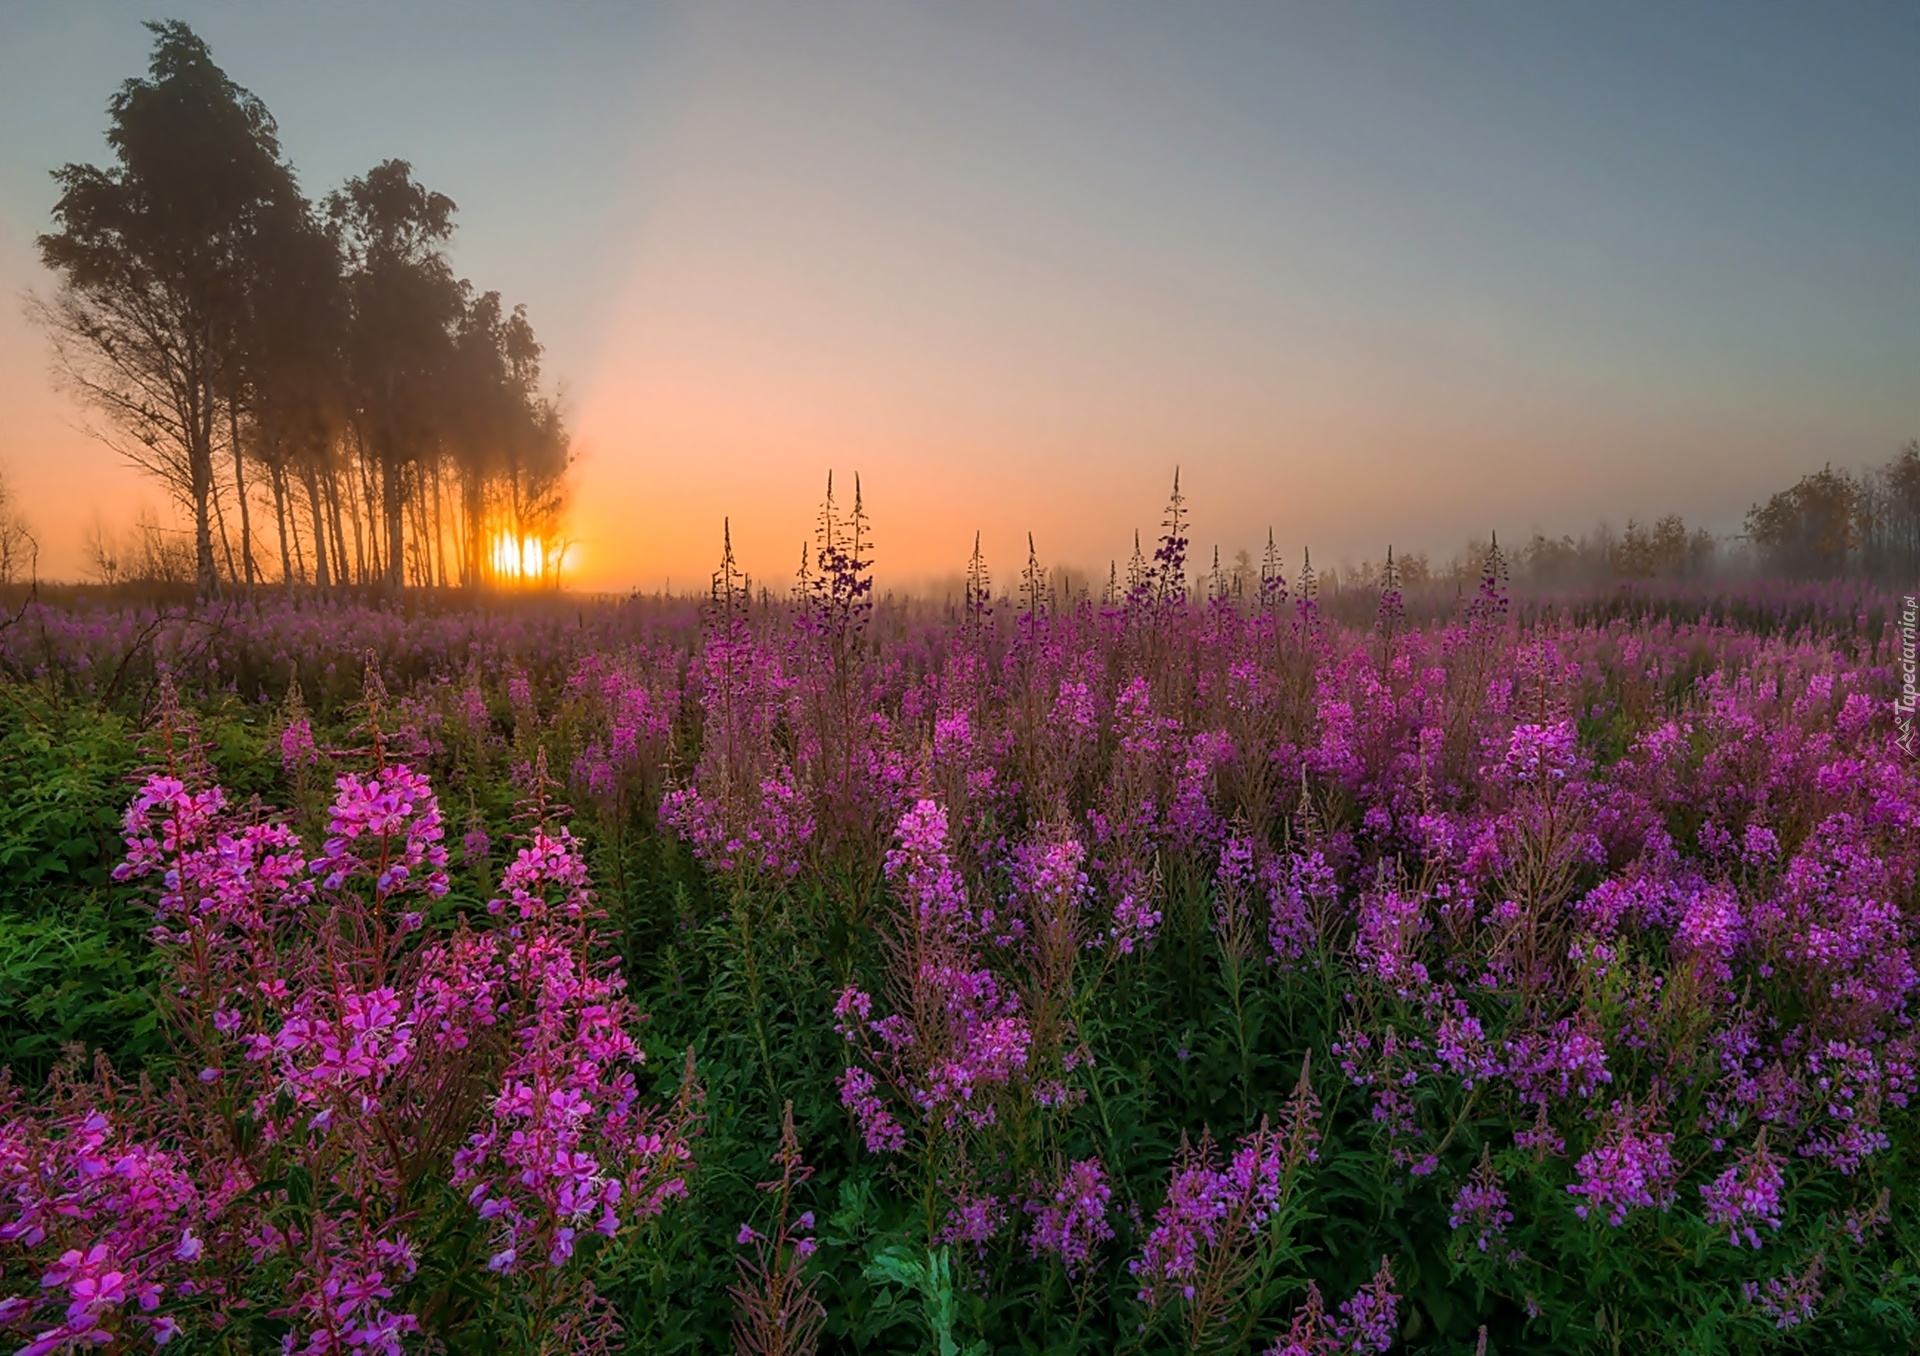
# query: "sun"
{"type": "Point", "coordinates": [524, 558]}
{"type": "Point", "coordinates": [518, 558]}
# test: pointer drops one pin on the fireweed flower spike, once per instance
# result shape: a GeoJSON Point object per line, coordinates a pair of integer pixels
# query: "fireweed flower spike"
{"type": "Point", "coordinates": [776, 1310]}
{"type": "Point", "coordinates": [1480, 1210]}
{"type": "Point", "coordinates": [1365, 1322]}
{"type": "Point", "coordinates": [957, 1045]}
{"type": "Point", "coordinates": [115, 1217]}
{"type": "Point", "coordinates": [1630, 1168]}
{"type": "Point", "coordinates": [388, 827]}
{"type": "Point", "coordinates": [1199, 1251]}
{"type": "Point", "coordinates": [1072, 1222]}
{"type": "Point", "coordinates": [310, 999]}
{"type": "Point", "coordinates": [1747, 1193]}
{"type": "Point", "coordinates": [570, 1147]}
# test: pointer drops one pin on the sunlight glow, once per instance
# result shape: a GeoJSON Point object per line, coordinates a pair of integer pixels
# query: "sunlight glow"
{"type": "Point", "coordinates": [520, 559]}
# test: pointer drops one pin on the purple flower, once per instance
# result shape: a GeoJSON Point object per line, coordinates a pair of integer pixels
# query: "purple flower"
{"type": "Point", "coordinates": [1367, 1321]}
{"type": "Point", "coordinates": [1209, 1207]}
{"type": "Point", "coordinates": [1480, 1207]}
{"type": "Point", "coordinates": [973, 1220]}
{"type": "Point", "coordinates": [1746, 1193]}
{"type": "Point", "coordinates": [1542, 755]}
{"type": "Point", "coordinates": [387, 826]}
{"type": "Point", "coordinates": [880, 1130]}
{"type": "Point", "coordinates": [1630, 1168]}
{"type": "Point", "coordinates": [1789, 1299]}
{"type": "Point", "coordinates": [297, 749]}
{"type": "Point", "coordinates": [1073, 1222]}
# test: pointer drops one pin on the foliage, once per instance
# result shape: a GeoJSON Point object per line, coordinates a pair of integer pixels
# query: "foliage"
{"type": "Point", "coordinates": [1170, 975]}
{"type": "Point", "coordinates": [250, 355]}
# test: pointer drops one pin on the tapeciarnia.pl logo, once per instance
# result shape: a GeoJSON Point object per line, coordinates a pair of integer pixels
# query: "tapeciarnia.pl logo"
{"type": "Point", "coordinates": [1904, 704]}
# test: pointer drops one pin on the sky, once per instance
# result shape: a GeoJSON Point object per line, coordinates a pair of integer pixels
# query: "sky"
{"type": "Point", "coordinates": [1367, 274]}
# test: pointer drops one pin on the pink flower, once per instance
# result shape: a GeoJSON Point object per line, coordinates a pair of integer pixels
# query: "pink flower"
{"type": "Point", "coordinates": [1630, 1168]}
{"type": "Point", "coordinates": [1073, 1222]}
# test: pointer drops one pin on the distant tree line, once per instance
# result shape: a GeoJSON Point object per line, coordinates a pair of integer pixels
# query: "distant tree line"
{"type": "Point", "coordinates": [1666, 550]}
{"type": "Point", "coordinates": [327, 403]}
{"type": "Point", "coordinates": [1832, 523]}
{"type": "Point", "coordinates": [1829, 524]}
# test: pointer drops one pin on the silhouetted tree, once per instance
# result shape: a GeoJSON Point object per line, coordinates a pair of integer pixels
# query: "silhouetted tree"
{"type": "Point", "coordinates": [18, 549]}
{"type": "Point", "coordinates": [255, 356]}
{"type": "Point", "coordinates": [404, 304]}
{"type": "Point", "coordinates": [509, 447]}
{"type": "Point", "coordinates": [1665, 552]}
{"type": "Point", "coordinates": [154, 254]}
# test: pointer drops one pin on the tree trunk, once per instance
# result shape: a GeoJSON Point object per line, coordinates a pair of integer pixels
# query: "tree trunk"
{"type": "Point", "coordinates": [226, 542]}
{"type": "Point", "coordinates": [360, 574]}
{"type": "Point", "coordinates": [219, 510]}
{"type": "Point", "coordinates": [293, 526]}
{"type": "Point", "coordinates": [473, 513]}
{"type": "Point", "coordinates": [394, 501]}
{"type": "Point", "coordinates": [206, 572]}
{"type": "Point", "coordinates": [439, 528]}
{"type": "Point", "coordinates": [277, 478]}
{"type": "Point", "coordinates": [371, 566]}
{"type": "Point", "coordinates": [240, 490]}
{"type": "Point", "coordinates": [342, 561]}
{"type": "Point", "coordinates": [319, 525]}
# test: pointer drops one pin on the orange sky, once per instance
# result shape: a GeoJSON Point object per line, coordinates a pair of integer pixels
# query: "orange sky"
{"type": "Point", "coordinates": [59, 476]}
{"type": "Point", "coordinates": [1366, 282]}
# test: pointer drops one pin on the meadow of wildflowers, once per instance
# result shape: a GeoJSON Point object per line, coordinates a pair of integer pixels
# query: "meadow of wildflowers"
{"type": "Point", "coordinates": [1180, 969]}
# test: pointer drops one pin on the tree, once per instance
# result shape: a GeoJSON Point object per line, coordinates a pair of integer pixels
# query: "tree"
{"type": "Point", "coordinates": [154, 254]}
{"type": "Point", "coordinates": [331, 377]}
{"type": "Point", "coordinates": [19, 552]}
{"type": "Point", "coordinates": [509, 444]}
{"type": "Point", "coordinates": [1890, 517]}
{"type": "Point", "coordinates": [1812, 529]}
{"type": "Point", "coordinates": [1665, 552]}
{"type": "Point", "coordinates": [403, 307]}
{"type": "Point", "coordinates": [296, 383]}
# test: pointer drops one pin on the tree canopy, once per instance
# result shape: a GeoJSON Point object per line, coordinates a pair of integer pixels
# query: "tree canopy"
{"type": "Point", "coordinates": [253, 352]}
